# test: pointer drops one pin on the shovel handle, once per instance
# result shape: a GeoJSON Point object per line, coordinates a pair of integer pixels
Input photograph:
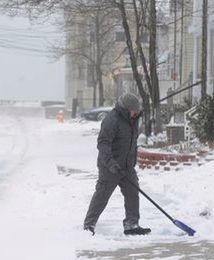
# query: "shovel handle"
{"type": "Point", "coordinates": [151, 200]}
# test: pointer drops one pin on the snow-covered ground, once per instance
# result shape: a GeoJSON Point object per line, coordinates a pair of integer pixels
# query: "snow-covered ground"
{"type": "Point", "coordinates": [42, 211]}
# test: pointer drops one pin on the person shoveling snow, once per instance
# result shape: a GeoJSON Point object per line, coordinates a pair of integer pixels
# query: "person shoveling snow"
{"type": "Point", "coordinates": [117, 145]}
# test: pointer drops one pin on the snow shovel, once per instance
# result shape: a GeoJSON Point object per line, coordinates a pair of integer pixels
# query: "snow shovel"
{"type": "Point", "coordinates": [178, 223]}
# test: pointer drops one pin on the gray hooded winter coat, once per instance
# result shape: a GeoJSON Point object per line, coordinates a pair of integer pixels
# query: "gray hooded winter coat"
{"type": "Point", "coordinates": [117, 140]}
{"type": "Point", "coordinates": [117, 145]}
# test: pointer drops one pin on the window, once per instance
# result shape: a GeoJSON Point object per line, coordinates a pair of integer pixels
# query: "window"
{"type": "Point", "coordinates": [198, 57]}
{"type": "Point", "coordinates": [92, 36]}
{"type": "Point", "coordinates": [211, 53]}
{"type": "Point", "coordinates": [145, 37]}
{"type": "Point", "coordinates": [90, 75]}
{"type": "Point", "coordinates": [120, 36]}
{"type": "Point", "coordinates": [80, 72]}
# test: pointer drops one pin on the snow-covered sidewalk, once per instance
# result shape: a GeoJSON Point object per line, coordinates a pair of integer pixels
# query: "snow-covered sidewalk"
{"type": "Point", "coordinates": [42, 211]}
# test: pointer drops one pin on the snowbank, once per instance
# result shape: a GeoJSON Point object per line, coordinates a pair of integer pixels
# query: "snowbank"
{"type": "Point", "coordinates": [42, 211]}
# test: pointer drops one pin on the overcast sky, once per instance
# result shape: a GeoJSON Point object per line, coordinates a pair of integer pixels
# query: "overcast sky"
{"type": "Point", "coordinates": [25, 74]}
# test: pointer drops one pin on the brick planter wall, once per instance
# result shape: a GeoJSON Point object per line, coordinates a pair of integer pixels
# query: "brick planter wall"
{"type": "Point", "coordinates": [147, 159]}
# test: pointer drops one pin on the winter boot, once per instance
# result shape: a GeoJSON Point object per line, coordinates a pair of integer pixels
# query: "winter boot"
{"type": "Point", "coordinates": [137, 231]}
{"type": "Point", "coordinates": [90, 228]}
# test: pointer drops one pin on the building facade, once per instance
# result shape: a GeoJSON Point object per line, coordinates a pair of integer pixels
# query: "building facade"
{"type": "Point", "coordinates": [196, 29]}
{"type": "Point", "coordinates": [107, 39]}
{"type": "Point", "coordinates": [96, 47]}
{"type": "Point", "coordinates": [180, 50]}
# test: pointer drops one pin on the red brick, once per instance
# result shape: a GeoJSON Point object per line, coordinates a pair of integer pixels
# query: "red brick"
{"type": "Point", "coordinates": [166, 168]}
{"type": "Point", "coordinates": [173, 163]}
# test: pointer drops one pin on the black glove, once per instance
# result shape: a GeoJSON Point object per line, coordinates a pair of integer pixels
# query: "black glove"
{"type": "Point", "coordinates": [115, 169]}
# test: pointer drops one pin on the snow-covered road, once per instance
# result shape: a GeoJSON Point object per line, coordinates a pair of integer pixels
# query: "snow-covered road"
{"type": "Point", "coordinates": [42, 211]}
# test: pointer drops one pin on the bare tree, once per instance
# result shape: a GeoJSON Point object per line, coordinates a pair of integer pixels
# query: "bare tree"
{"type": "Point", "coordinates": [155, 95]}
{"type": "Point", "coordinates": [93, 44]}
{"type": "Point", "coordinates": [133, 59]}
{"type": "Point", "coordinates": [204, 50]}
{"type": "Point", "coordinates": [144, 13]}
{"type": "Point", "coordinates": [31, 8]}
{"type": "Point", "coordinates": [96, 41]}
{"type": "Point", "coordinates": [98, 14]}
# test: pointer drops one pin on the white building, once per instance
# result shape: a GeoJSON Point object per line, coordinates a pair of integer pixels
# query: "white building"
{"type": "Point", "coordinates": [196, 29]}
{"type": "Point", "coordinates": [180, 56]}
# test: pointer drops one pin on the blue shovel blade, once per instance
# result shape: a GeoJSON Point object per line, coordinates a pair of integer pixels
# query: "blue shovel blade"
{"type": "Point", "coordinates": [184, 227]}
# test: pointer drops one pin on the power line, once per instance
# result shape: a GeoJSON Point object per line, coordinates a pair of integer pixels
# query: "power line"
{"type": "Point", "coordinates": [34, 40]}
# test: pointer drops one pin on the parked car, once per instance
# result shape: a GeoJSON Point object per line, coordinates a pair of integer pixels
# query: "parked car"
{"type": "Point", "coordinates": [96, 114]}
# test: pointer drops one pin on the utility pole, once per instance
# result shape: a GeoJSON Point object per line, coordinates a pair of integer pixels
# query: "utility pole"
{"type": "Point", "coordinates": [204, 50]}
{"type": "Point", "coordinates": [153, 68]}
{"type": "Point", "coordinates": [181, 46]}
{"type": "Point", "coordinates": [175, 43]}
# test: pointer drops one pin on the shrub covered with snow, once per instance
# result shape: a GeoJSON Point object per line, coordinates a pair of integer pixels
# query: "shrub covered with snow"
{"type": "Point", "coordinates": [203, 122]}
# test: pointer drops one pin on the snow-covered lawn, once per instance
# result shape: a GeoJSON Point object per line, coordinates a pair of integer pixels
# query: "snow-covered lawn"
{"type": "Point", "coordinates": [42, 211]}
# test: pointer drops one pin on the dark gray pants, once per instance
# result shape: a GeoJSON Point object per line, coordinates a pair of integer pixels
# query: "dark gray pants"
{"type": "Point", "coordinates": [105, 186]}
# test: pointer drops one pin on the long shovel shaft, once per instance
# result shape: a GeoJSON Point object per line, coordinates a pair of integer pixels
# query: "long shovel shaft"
{"type": "Point", "coordinates": [152, 201]}
{"type": "Point", "coordinates": [178, 223]}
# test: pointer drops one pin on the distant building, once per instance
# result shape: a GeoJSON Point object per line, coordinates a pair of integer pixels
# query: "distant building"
{"type": "Point", "coordinates": [89, 44]}
{"type": "Point", "coordinates": [196, 29]}
{"type": "Point", "coordinates": [180, 49]}
{"type": "Point", "coordinates": [81, 82]}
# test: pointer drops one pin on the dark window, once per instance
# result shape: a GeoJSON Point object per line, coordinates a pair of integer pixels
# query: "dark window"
{"type": "Point", "coordinates": [212, 53]}
{"type": "Point", "coordinates": [178, 5]}
{"type": "Point", "coordinates": [90, 75]}
{"type": "Point", "coordinates": [145, 37]}
{"type": "Point", "coordinates": [80, 72]}
{"type": "Point", "coordinates": [120, 37]}
{"type": "Point", "coordinates": [92, 36]}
